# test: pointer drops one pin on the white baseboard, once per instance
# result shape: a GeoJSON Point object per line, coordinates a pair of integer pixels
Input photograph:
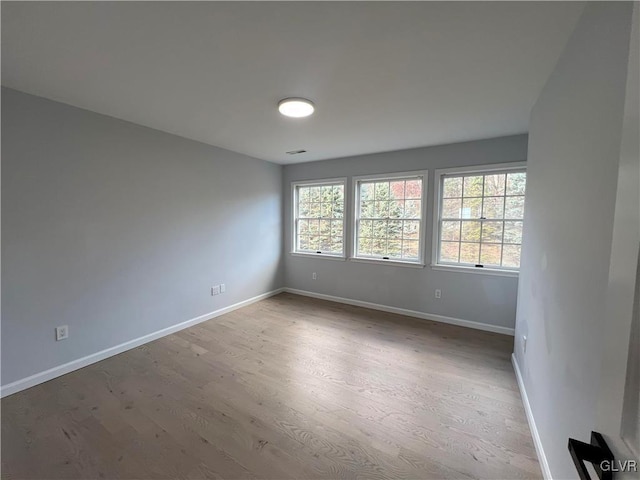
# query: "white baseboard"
{"type": "Point", "coordinates": [54, 372]}
{"type": "Point", "coordinates": [403, 311]}
{"type": "Point", "coordinates": [542, 458]}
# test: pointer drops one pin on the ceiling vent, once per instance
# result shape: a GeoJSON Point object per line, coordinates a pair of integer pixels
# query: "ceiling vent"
{"type": "Point", "coordinates": [296, 152]}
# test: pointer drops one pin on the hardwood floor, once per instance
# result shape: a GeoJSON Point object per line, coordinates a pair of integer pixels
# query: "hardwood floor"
{"type": "Point", "coordinates": [290, 387]}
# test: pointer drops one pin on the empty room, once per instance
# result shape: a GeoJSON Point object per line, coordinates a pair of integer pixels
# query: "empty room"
{"type": "Point", "coordinates": [320, 240]}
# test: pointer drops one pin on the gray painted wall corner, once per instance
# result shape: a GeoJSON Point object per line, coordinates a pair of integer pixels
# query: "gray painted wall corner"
{"type": "Point", "coordinates": [467, 296]}
{"type": "Point", "coordinates": [118, 231]}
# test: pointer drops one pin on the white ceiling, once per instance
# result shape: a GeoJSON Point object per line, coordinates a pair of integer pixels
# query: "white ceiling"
{"type": "Point", "coordinates": [384, 76]}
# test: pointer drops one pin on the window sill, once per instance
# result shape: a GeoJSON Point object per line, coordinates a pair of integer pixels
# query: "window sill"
{"type": "Point", "coordinates": [395, 263]}
{"type": "Point", "coordinates": [318, 255]}
{"type": "Point", "coordinates": [476, 270]}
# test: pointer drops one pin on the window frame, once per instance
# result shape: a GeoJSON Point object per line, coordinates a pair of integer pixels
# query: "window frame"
{"type": "Point", "coordinates": [356, 180]}
{"type": "Point", "coordinates": [439, 176]}
{"type": "Point", "coordinates": [294, 217]}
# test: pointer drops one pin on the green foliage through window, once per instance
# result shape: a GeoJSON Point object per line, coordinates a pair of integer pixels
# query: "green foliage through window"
{"type": "Point", "coordinates": [319, 224]}
{"type": "Point", "coordinates": [389, 218]}
{"type": "Point", "coordinates": [481, 219]}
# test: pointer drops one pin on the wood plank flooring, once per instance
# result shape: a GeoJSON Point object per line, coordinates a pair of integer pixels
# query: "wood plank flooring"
{"type": "Point", "coordinates": [290, 387]}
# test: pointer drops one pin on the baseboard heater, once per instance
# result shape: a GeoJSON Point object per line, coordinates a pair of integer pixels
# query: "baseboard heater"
{"type": "Point", "coordinates": [597, 453]}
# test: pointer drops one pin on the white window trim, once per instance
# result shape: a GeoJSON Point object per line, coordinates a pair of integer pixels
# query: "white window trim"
{"type": "Point", "coordinates": [326, 256]}
{"type": "Point", "coordinates": [382, 261]}
{"type": "Point", "coordinates": [435, 245]}
{"type": "Point", "coordinates": [423, 220]}
{"type": "Point", "coordinates": [294, 216]}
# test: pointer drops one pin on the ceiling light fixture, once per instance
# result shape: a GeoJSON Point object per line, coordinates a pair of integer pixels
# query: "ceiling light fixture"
{"type": "Point", "coordinates": [295, 107]}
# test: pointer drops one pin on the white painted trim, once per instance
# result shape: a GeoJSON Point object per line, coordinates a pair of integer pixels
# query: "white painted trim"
{"type": "Point", "coordinates": [381, 261]}
{"type": "Point", "coordinates": [60, 370]}
{"type": "Point", "coordinates": [542, 458]}
{"type": "Point", "coordinates": [320, 182]}
{"type": "Point", "coordinates": [494, 167]}
{"type": "Point", "coordinates": [340, 258]}
{"type": "Point", "coordinates": [54, 372]}
{"type": "Point", "coordinates": [409, 313]}
{"type": "Point", "coordinates": [391, 175]}
{"type": "Point", "coordinates": [475, 270]}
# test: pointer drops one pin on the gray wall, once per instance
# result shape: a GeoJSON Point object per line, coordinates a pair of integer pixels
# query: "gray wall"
{"type": "Point", "coordinates": [118, 231]}
{"type": "Point", "coordinates": [468, 296]}
{"type": "Point", "coordinates": [574, 151]}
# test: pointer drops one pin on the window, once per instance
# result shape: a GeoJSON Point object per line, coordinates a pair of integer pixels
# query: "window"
{"type": "Point", "coordinates": [389, 217]}
{"type": "Point", "coordinates": [319, 217]}
{"type": "Point", "coordinates": [479, 217]}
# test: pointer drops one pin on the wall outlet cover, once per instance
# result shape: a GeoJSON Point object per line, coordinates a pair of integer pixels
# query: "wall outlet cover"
{"type": "Point", "coordinates": [62, 332]}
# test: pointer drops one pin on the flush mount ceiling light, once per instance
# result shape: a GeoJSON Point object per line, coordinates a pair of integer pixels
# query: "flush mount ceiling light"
{"type": "Point", "coordinates": [295, 107]}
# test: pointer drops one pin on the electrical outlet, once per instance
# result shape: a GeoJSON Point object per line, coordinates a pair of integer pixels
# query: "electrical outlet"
{"type": "Point", "coordinates": [223, 288]}
{"type": "Point", "coordinates": [314, 276]}
{"type": "Point", "coordinates": [215, 290]}
{"type": "Point", "coordinates": [524, 343]}
{"type": "Point", "coordinates": [62, 332]}
{"type": "Point", "coordinates": [438, 293]}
